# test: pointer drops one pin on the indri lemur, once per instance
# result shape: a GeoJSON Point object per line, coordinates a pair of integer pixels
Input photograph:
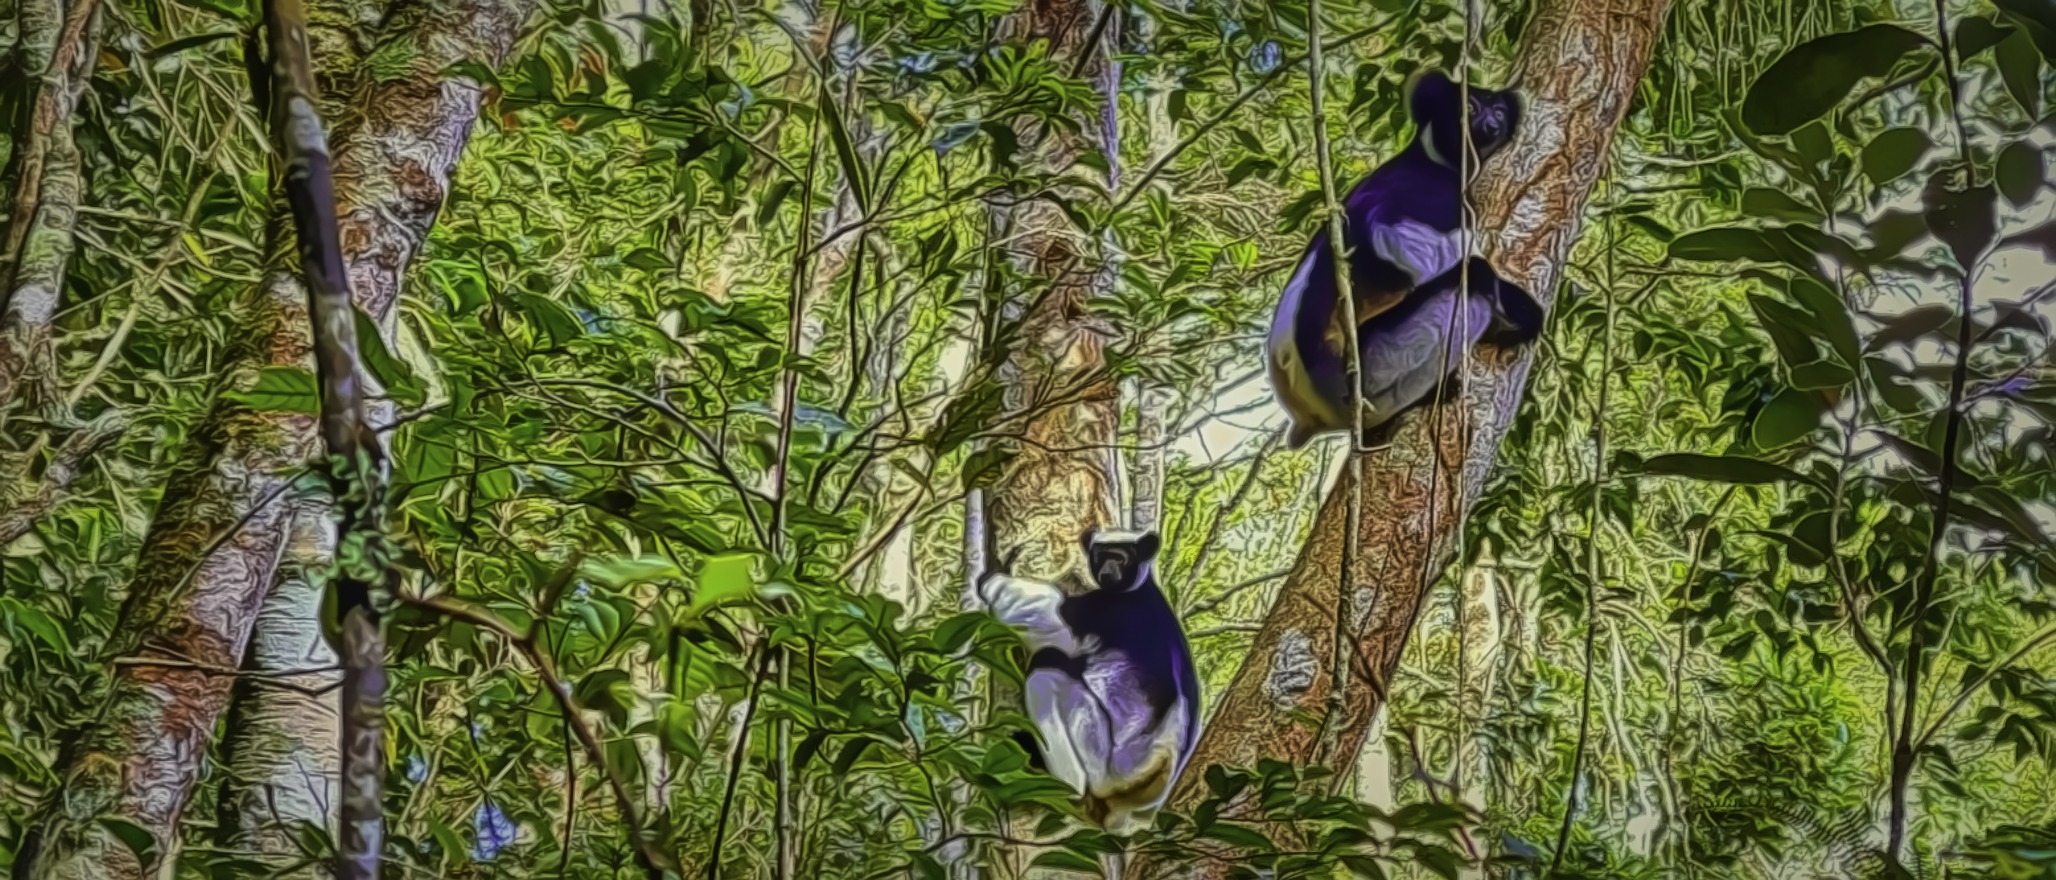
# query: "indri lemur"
{"type": "Point", "coordinates": [1406, 260]}
{"type": "Point", "coordinates": [1111, 686]}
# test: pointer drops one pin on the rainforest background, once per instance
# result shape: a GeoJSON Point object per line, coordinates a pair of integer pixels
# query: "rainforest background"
{"type": "Point", "coordinates": [716, 342]}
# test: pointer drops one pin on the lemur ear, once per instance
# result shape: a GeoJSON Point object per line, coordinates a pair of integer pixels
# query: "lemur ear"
{"type": "Point", "coordinates": [1085, 541]}
{"type": "Point", "coordinates": [1147, 545]}
{"type": "Point", "coordinates": [1425, 88]}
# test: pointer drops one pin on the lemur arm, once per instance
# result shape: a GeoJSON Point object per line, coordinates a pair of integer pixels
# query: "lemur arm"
{"type": "Point", "coordinates": [1033, 607]}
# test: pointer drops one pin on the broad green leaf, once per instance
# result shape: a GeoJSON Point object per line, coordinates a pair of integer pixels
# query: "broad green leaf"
{"type": "Point", "coordinates": [2021, 68]}
{"type": "Point", "coordinates": [2021, 173]}
{"type": "Point", "coordinates": [281, 389]}
{"type": "Point", "coordinates": [724, 579]}
{"type": "Point", "coordinates": [1789, 417]}
{"type": "Point", "coordinates": [1811, 79]}
{"type": "Point", "coordinates": [2037, 18]}
{"type": "Point", "coordinates": [1892, 153]}
{"type": "Point", "coordinates": [1976, 34]}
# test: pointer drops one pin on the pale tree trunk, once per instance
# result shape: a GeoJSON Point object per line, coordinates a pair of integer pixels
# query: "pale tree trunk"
{"type": "Point", "coordinates": [1578, 67]}
{"type": "Point", "coordinates": [215, 548]}
{"type": "Point", "coordinates": [1060, 482]}
{"type": "Point", "coordinates": [398, 143]}
{"type": "Point", "coordinates": [57, 47]}
{"type": "Point", "coordinates": [1160, 133]}
{"type": "Point", "coordinates": [57, 44]}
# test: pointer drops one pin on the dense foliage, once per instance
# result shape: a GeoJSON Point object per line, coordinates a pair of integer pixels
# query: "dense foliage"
{"type": "Point", "coordinates": [1772, 529]}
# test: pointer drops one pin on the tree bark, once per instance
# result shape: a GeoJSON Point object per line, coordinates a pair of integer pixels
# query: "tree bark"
{"type": "Point", "coordinates": [1577, 71]}
{"type": "Point", "coordinates": [214, 549]}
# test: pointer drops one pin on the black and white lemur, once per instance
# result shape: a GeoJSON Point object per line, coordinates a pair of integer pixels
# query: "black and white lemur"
{"type": "Point", "coordinates": [1402, 225]}
{"type": "Point", "coordinates": [1111, 686]}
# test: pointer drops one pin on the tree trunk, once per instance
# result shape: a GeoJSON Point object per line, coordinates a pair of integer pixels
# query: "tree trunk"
{"type": "Point", "coordinates": [1060, 482]}
{"type": "Point", "coordinates": [214, 549]}
{"type": "Point", "coordinates": [397, 148]}
{"type": "Point", "coordinates": [58, 44]}
{"type": "Point", "coordinates": [1577, 70]}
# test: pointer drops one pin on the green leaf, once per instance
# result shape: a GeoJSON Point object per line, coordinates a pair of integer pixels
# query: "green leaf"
{"type": "Point", "coordinates": [1239, 836]}
{"type": "Point", "coordinates": [1775, 204]}
{"type": "Point", "coordinates": [2037, 18]}
{"type": "Point", "coordinates": [724, 579]}
{"type": "Point", "coordinates": [392, 374]}
{"type": "Point", "coordinates": [767, 211]}
{"type": "Point", "coordinates": [281, 389]}
{"type": "Point", "coordinates": [1831, 315]}
{"type": "Point", "coordinates": [1820, 375]}
{"type": "Point", "coordinates": [556, 321]}
{"type": "Point", "coordinates": [2021, 68]}
{"type": "Point", "coordinates": [1065, 860]}
{"type": "Point", "coordinates": [1788, 417]}
{"type": "Point", "coordinates": [1811, 79]}
{"type": "Point", "coordinates": [138, 839]}
{"type": "Point", "coordinates": [1892, 153]}
{"type": "Point", "coordinates": [623, 571]}
{"type": "Point", "coordinates": [2020, 173]}
{"type": "Point", "coordinates": [1963, 218]}
{"type": "Point", "coordinates": [647, 259]}
{"type": "Point", "coordinates": [1721, 469]}
{"type": "Point", "coordinates": [32, 620]}
{"type": "Point", "coordinates": [1974, 35]}
{"type": "Point", "coordinates": [1724, 244]}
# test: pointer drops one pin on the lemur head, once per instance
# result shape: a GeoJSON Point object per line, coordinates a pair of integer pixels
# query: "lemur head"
{"type": "Point", "coordinates": [1437, 105]}
{"type": "Point", "coordinates": [1120, 561]}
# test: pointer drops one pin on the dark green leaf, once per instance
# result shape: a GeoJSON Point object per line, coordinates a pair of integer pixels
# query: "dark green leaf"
{"type": "Point", "coordinates": [1789, 416]}
{"type": "Point", "coordinates": [2035, 17]}
{"type": "Point", "coordinates": [1774, 204]}
{"type": "Point", "coordinates": [1974, 35]}
{"type": "Point", "coordinates": [1724, 244]}
{"type": "Point", "coordinates": [1963, 218]}
{"type": "Point", "coordinates": [768, 210]}
{"type": "Point", "coordinates": [2021, 173]}
{"type": "Point", "coordinates": [1830, 314]}
{"type": "Point", "coordinates": [2021, 68]}
{"type": "Point", "coordinates": [1065, 860]}
{"type": "Point", "coordinates": [138, 839]}
{"type": "Point", "coordinates": [1811, 79]}
{"type": "Point", "coordinates": [1821, 375]}
{"type": "Point", "coordinates": [1892, 153]}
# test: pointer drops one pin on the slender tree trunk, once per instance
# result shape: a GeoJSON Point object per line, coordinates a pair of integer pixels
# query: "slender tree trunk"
{"type": "Point", "coordinates": [1060, 481]}
{"type": "Point", "coordinates": [58, 46]}
{"type": "Point", "coordinates": [1578, 68]}
{"type": "Point", "coordinates": [214, 550]}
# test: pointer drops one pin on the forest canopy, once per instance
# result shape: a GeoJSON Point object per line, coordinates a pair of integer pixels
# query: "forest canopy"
{"type": "Point", "coordinates": [540, 438]}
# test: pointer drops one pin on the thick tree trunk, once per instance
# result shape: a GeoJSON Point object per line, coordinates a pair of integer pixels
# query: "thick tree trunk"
{"type": "Point", "coordinates": [215, 547]}
{"type": "Point", "coordinates": [1578, 68]}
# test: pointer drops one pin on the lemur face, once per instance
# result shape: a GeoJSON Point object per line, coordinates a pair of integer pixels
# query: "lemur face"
{"type": "Point", "coordinates": [1439, 107]}
{"type": "Point", "coordinates": [1120, 561]}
